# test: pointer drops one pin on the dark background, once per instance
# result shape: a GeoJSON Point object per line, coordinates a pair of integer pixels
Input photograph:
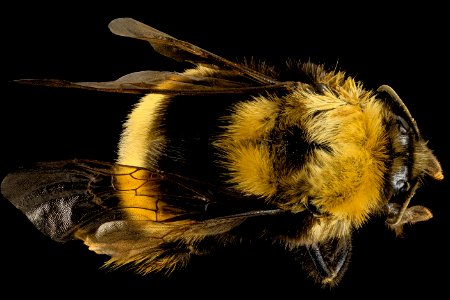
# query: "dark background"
{"type": "Point", "coordinates": [379, 44]}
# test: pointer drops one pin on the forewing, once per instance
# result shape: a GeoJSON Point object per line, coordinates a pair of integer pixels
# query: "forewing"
{"type": "Point", "coordinates": [223, 77]}
{"type": "Point", "coordinates": [162, 82]}
{"type": "Point", "coordinates": [57, 198]}
{"type": "Point", "coordinates": [181, 50]}
{"type": "Point", "coordinates": [83, 199]}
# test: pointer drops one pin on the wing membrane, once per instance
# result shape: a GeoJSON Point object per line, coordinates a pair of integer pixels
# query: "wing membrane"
{"type": "Point", "coordinates": [180, 50]}
{"type": "Point", "coordinates": [163, 82]}
{"type": "Point", "coordinates": [66, 197]}
{"type": "Point", "coordinates": [225, 77]}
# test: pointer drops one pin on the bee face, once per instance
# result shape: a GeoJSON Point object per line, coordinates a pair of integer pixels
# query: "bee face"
{"type": "Point", "coordinates": [316, 154]}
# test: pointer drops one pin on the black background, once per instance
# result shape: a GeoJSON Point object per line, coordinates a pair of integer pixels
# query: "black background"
{"type": "Point", "coordinates": [379, 44]}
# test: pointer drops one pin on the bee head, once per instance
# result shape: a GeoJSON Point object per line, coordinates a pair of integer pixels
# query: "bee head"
{"type": "Point", "coordinates": [413, 161]}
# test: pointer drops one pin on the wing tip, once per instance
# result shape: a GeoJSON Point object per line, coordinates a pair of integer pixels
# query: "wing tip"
{"type": "Point", "coordinates": [120, 26]}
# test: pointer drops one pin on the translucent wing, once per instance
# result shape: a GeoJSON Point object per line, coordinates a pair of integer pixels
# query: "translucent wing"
{"type": "Point", "coordinates": [162, 82]}
{"type": "Point", "coordinates": [138, 216]}
{"type": "Point", "coordinates": [224, 76]}
{"type": "Point", "coordinates": [181, 50]}
{"type": "Point", "coordinates": [63, 199]}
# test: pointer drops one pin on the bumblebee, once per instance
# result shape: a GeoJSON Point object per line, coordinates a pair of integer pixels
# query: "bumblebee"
{"type": "Point", "coordinates": [296, 155]}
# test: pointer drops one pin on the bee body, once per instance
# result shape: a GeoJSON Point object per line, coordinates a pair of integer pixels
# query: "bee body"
{"type": "Point", "coordinates": [299, 156]}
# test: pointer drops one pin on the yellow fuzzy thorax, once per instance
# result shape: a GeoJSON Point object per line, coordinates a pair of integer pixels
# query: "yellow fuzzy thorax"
{"type": "Point", "coordinates": [342, 179]}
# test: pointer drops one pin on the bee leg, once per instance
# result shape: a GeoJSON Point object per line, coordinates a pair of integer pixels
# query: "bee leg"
{"type": "Point", "coordinates": [397, 217]}
{"type": "Point", "coordinates": [331, 266]}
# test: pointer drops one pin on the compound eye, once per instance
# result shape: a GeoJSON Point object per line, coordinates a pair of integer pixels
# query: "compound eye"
{"type": "Point", "coordinates": [400, 182]}
{"type": "Point", "coordinates": [403, 126]}
{"type": "Point", "coordinates": [403, 131]}
{"type": "Point", "coordinates": [401, 186]}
